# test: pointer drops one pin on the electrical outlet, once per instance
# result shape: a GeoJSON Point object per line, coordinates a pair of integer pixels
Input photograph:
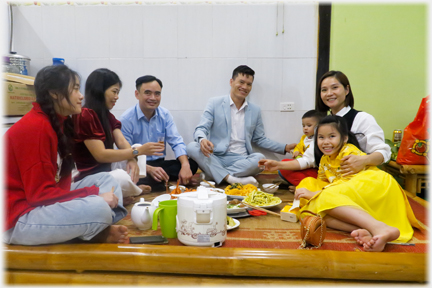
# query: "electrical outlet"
{"type": "Point", "coordinates": [287, 106]}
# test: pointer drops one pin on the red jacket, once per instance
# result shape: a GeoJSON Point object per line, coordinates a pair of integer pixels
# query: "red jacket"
{"type": "Point", "coordinates": [31, 168]}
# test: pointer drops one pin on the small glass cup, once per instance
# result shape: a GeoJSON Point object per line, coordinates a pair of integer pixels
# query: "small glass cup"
{"type": "Point", "coordinates": [161, 138]}
{"type": "Point", "coordinates": [262, 167]}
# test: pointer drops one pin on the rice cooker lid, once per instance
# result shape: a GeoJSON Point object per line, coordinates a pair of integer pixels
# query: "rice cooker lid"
{"type": "Point", "coordinates": [216, 197]}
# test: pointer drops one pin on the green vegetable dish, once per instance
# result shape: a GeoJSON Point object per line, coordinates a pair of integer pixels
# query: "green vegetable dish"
{"type": "Point", "coordinates": [258, 198]}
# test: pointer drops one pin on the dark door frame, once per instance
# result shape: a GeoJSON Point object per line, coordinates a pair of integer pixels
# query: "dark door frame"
{"type": "Point", "coordinates": [324, 25]}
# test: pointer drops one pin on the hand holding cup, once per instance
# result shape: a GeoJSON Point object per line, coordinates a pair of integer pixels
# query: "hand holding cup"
{"type": "Point", "coordinates": [151, 148]}
{"type": "Point", "coordinates": [206, 147]}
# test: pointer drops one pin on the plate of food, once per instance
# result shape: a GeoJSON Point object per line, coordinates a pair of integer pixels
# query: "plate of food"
{"type": "Point", "coordinates": [232, 223]}
{"type": "Point", "coordinates": [262, 199]}
{"type": "Point", "coordinates": [271, 205]}
{"type": "Point", "coordinates": [240, 215]}
{"type": "Point", "coordinates": [235, 197]}
{"type": "Point", "coordinates": [239, 191]}
{"type": "Point", "coordinates": [178, 190]}
{"type": "Point", "coordinates": [235, 206]}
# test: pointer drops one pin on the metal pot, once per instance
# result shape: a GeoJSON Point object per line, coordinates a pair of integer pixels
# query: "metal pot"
{"type": "Point", "coordinates": [21, 62]}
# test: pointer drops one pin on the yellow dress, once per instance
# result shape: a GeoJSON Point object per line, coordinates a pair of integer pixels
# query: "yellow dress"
{"type": "Point", "coordinates": [371, 190]}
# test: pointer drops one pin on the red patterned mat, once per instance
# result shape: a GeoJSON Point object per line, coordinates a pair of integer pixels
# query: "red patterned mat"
{"type": "Point", "coordinates": [270, 231]}
{"type": "Point", "coordinates": [279, 234]}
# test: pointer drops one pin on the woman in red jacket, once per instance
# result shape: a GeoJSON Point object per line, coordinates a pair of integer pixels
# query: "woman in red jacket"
{"type": "Point", "coordinates": [43, 206]}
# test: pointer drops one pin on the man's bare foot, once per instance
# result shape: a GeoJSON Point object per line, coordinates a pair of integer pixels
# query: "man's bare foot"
{"type": "Point", "coordinates": [378, 242]}
{"type": "Point", "coordinates": [361, 236]}
{"type": "Point", "coordinates": [112, 234]}
{"type": "Point", "coordinates": [128, 200]}
{"type": "Point", "coordinates": [292, 189]}
{"type": "Point", "coordinates": [145, 189]}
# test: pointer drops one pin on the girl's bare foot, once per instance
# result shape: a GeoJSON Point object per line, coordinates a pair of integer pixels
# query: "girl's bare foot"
{"type": "Point", "coordinates": [378, 242]}
{"type": "Point", "coordinates": [112, 234]}
{"type": "Point", "coordinates": [361, 236]}
{"type": "Point", "coordinates": [145, 189]}
{"type": "Point", "coordinates": [292, 189]}
{"type": "Point", "coordinates": [128, 200]}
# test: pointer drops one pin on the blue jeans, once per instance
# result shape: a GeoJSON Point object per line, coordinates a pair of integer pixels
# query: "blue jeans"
{"type": "Point", "coordinates": [81, 218]}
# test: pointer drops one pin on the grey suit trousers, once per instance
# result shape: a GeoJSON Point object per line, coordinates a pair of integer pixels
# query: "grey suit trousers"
{"type": "Point", "coordinates": [217, 167]}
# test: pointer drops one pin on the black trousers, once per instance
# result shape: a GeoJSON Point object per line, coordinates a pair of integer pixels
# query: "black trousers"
{"type": "Point", "coordinates": [171, 167]}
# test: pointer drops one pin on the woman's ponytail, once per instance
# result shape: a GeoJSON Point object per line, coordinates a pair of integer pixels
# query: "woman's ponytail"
{"type": "Point", "coordinates": [57, 80]}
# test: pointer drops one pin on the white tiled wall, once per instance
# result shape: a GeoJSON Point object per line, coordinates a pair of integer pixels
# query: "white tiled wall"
{"type": "Point", "coordinates": [192, 48]}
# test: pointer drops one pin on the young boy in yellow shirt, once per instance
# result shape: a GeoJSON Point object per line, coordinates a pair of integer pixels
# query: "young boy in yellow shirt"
{"type": "Point", "coordinates": [309, 121]}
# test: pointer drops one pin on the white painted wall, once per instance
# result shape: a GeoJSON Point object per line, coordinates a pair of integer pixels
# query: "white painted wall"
{"type": "Point", "coordinates": [192, 48]}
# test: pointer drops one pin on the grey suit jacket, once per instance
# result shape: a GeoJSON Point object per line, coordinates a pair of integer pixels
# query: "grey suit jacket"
{"type": "Point", "coordinates": [215, 125]}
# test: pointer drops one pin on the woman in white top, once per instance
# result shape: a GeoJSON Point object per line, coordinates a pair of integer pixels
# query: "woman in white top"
{"type": "Point", "coordinates": [334, 94]}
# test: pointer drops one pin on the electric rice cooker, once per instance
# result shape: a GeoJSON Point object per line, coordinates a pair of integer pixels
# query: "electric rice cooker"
{"type": "Point", "coordinates": [201, 218]}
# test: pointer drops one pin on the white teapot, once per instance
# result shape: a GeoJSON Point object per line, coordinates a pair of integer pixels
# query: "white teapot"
{"type": "Point", "coordinates": [142, 214]}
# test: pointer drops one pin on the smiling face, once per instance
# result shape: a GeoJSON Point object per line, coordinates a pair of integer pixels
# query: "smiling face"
{"type": "Point", "coordinates": [333, 94]}
{"type": "Point", "coordinates": [309, 124]}
{"type": "Point", "coordinates": [73, 106]}
{"type": "Point", "coordinates": [241, 86]}
{"type": "Point", "coordinates": [329, 139]}
{"type": "Point", "coordinates": [112, 95]}
{"type": "Point", "coordinates": [149, 97]}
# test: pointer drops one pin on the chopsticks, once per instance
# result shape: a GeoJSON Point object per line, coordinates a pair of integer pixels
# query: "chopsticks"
{"type": "Point", "coordinates": [211, 185]}
{"type": "Point", "coordinates": [262, 209]}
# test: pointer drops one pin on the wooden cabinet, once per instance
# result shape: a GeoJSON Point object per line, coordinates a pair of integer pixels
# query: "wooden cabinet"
{"type": "Point", "coordinates": [415, 176]}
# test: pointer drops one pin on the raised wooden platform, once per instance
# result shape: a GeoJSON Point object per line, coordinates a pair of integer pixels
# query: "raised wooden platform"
{"type": "Point", "coordinates": [268, 263]}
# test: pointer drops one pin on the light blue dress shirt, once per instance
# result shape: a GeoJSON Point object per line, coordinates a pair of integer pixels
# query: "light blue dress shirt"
{"type": "Point", "coordinates": [137, 129]}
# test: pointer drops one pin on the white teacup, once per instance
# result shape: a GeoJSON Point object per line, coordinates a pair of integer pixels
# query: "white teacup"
{"type": "Point", "coordinates": [182, 188]}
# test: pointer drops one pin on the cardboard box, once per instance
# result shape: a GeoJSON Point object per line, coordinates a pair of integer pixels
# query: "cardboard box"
{"type": "Point", "coordinates": [18, 94]}
{"type": "Point", "coordinates": [290, 216]}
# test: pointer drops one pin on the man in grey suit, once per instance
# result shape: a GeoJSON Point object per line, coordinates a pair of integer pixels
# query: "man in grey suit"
{"type": "Point", "coordinates": [224, 136]}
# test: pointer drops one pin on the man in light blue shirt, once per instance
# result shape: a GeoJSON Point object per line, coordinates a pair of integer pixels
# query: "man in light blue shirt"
{"type": "Point", "coordinates": [148, 122]}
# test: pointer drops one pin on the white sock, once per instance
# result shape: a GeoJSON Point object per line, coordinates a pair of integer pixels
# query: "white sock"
{"type": "Point", "coordinates": [243, 180]}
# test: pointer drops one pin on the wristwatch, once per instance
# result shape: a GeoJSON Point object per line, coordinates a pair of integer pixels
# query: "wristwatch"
{"type": "Point", "coordinates": [135, 152]}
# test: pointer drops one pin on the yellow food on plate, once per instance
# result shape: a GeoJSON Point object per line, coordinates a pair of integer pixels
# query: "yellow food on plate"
{"type": "Point", "coordinates": [239, 189]}
{"type": "Point", "coordinates": [230, 222]}
{"type": "Point", "coordinates": [259, 198]}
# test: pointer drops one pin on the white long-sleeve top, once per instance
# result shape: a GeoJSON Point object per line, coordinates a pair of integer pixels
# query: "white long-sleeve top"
{"type": "Point", "coordinates": [368, 133]}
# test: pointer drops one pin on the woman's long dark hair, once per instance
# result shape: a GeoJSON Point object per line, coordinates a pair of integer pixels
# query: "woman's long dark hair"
{"type": "Point", "coordinates": [58, 80]}
{"type": "Point", "coordinates": [341, 126]}
{"type": "Point", "coordinates": [96, 85]}
{"type": "Point", "coordinates": [343, 79]}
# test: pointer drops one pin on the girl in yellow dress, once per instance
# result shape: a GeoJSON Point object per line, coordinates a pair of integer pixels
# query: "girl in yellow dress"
{"type": "Point", "coordinates": [370, 204]}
